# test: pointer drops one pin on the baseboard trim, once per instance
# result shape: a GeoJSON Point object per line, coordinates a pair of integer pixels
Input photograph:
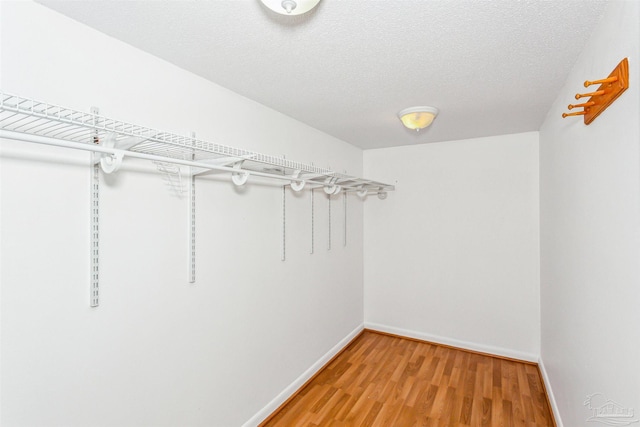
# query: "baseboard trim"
{"type": "Point", "coordinates": [273, 407]}
{"type": "Point", "coordinates": [458, 344]}
{"type": "Point", "coordinates": [551, 400]}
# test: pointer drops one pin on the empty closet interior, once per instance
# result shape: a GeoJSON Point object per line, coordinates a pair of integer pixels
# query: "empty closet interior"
{"type": "Point", "coordinates": [202, 203]}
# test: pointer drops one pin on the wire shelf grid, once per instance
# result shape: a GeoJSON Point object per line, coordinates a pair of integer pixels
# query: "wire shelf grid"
{"type": "Point", "coordinates": [31, 117]}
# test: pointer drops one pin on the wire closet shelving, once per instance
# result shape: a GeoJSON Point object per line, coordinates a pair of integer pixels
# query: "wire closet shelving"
{"type": "Point", "coordinates": [28, 120]}
{"type": "Point", "coordinates": [111, 141]}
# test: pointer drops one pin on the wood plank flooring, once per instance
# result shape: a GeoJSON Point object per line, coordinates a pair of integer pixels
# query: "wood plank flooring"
{"type": "Point", "coordinates": [382, 380]}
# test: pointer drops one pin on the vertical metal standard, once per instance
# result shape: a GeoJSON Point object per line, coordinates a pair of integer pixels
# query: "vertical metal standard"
{"type": "Point", "coordinates": [192, 226]}
{"type": "Point", "coordinates": [312, 220]}
{"type": "Point", "coordinates": [329, 239]}
{"type": "Point", "coordinates": [94, 286]}
{"type": "Point", "coordinates": [344, 208]}
{"type": "Point", "coordinates": [284, 222]}
{"type": "Point", "coordinates": [192, 218]}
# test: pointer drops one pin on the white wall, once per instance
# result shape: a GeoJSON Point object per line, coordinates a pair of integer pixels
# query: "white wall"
{"type": "Point", "coordinates": [158, 351]}
{"type": "Point", "coordinates": [590, 237]}
{"type": "Point", "coordinates": [452, 254]}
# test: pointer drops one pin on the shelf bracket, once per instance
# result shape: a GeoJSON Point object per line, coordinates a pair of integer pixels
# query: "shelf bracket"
{"type": "Point", "coordinates": [221, 161]}
{"type": "Point", "coordinates": [109, 162]}
{"type": "Point", "coordinates": [239, 178]}
{"type": "Point", "coordinates": [130, 142]}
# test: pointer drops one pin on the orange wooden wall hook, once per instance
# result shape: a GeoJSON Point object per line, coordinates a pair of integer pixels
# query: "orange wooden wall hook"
{"type": "Point", "coordinates": [587, 83]}
{"type": "Point", "coordinates": [584, 95]}
{"type": "Point", "coordinates": [586, 104]}
{"type": "Point", "coordinates": [609, 90]}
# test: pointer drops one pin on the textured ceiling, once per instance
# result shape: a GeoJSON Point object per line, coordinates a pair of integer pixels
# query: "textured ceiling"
{"type": "Point", "coordinates": [347, 67]}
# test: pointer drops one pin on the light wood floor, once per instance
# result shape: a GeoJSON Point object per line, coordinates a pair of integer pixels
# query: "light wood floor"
{"type": "Point", "coordinates": [382, 380]}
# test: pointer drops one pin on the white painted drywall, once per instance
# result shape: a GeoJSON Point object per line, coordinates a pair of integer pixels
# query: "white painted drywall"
{"type": "Point", "coordinates": [590, 234]}
{"type": "Point", "coordinates": [453, 252]}
{"type": "Point", "coordinates": [158, 351]}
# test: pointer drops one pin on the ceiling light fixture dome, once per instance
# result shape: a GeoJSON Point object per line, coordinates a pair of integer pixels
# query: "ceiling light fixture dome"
{"type": "Point", "coordinates": [416, 118]}
{"type": "Point", "coordinates": [290, 7]}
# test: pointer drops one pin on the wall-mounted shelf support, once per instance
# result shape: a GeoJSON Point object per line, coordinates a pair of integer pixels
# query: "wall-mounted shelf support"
{"type": "Point", "coordinates": [312, 192]}
{"type": "Point", "coordinates": [239, 178]}
{"type": "Point", "coordinates": [329, 227]}
{"type": "Point", "coordinates": [297, 185]}
{"type": "Point", "coordinates": [284, 224]}
{"type": "Point", "coordinates": [599, 100]}
{"type": "Point", "coordinates": [344, 210]}
{"type": "Point", "coordinates": [192, 228]}
{"type": "Point", "coordinates": [94, 233]}
{"type": "Point", "coordinates": [223, 161]}
{"type": "Point", "coordinates": [192, 219]}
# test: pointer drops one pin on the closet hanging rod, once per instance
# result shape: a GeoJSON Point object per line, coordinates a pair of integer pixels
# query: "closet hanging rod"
{"type": "Point", "coordinates": [29, 120]}
{"type": "Point", "coordinates": [17, 136]}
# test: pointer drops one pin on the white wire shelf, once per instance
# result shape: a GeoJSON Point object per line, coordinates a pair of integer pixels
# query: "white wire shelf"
{"type": "Point", "coordinates": [35, 121]}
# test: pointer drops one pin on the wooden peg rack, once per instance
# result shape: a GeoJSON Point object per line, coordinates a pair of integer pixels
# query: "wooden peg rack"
{"type": "Point", "coordinates": [609, 90]}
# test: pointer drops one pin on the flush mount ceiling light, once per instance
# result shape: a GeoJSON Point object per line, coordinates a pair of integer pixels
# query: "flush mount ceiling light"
{"type": "Point", "coordinates": [416, 118]}
{"type": "Point", "coordinates": [290, 7]}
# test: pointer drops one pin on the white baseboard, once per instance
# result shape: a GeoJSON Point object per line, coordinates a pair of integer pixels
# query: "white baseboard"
{"type": "Point", "coordinates": [298, 382]}
{"type": "Point", "coordinates": [552, 399]}
{"type": "Point", "coordinates": [467, 345]}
